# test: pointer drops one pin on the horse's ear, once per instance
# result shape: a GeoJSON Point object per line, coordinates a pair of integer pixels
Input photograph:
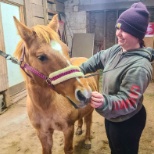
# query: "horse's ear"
{"type": "Point", "coordinates": [54, 23]}
{"type": "Point", "coordinates": [25, 33]}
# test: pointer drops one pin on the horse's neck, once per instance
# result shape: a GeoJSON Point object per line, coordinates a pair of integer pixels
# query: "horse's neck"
{"type": "Point", "coordinates": [41, 96]}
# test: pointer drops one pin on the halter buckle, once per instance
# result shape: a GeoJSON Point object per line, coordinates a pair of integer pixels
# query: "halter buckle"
{"type": "Point", "coordinates": [48, 81]}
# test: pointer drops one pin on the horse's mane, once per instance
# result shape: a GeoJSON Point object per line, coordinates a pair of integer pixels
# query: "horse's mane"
{"type": "Point", "coordinates": [43, 32]}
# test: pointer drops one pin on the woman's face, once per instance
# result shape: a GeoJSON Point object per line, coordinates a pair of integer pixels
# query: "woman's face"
{"type": "Point", "coordinates": [126, 40]}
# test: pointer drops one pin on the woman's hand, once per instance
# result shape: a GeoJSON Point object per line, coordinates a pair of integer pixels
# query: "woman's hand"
{"type": "Point", "coordinates": [97, 100]}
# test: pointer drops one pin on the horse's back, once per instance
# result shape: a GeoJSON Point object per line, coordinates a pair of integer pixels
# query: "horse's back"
{"type": "Point", "coordinates": [78, 60]}
{"type": "Point", "coordinates": [94, 80]}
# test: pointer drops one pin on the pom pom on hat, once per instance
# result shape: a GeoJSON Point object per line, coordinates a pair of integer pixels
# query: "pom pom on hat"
{"type": "Point", "coordinates": [134, 20]}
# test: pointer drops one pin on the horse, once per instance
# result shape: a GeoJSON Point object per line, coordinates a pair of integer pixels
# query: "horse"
{"type": "Point", "coordinates": [52, 104]}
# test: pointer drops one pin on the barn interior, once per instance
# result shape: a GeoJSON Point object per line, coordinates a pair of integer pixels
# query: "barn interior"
{"type": "Point", "coordinates": [86, 27]}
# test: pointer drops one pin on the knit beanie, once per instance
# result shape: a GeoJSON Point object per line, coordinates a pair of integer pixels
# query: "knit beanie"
{"type": "Point", "coordinates": [134, 20]}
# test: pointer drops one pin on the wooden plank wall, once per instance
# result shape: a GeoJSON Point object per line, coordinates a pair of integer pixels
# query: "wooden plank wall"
{"type": "Point", "coordinates": [3, 75]}
{"type": "Point", "coordinates": [3, 70]}
{"type": "Point", "coordinates": [34, 12]}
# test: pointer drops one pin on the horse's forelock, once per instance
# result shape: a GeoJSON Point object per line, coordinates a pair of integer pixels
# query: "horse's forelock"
{"type": "Point", "coordinates": [46, 33]}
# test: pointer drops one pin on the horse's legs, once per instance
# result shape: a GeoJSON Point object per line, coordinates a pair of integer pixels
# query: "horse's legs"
{"type": "Point", "coordinates": [46, 141]}
{"type": "Point", "coordinates": [88, 122]}
{"type": "Point", "coordinates": [68, 136]}
{"type": "Point", "coordinates": [79, 128]}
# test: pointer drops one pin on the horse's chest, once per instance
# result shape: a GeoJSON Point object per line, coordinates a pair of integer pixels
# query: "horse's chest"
{"type": "Point", "coordinates": [52, 118]}
{"type": "Point", "coordinates": [58, 123]}
{"type": "Point", "coordinates": [51, 122]}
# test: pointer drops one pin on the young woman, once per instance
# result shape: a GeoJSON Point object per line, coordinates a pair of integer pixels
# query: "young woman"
{"type": "Point", "coordinates": [127, 72]}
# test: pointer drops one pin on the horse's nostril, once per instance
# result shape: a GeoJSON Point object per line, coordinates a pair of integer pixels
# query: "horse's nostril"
{"type": "Point", "coordinates": [81, 97]}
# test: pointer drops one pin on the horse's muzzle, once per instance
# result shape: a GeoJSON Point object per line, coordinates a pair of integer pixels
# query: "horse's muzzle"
{"type": "Point", "coordinates": [83, 97]}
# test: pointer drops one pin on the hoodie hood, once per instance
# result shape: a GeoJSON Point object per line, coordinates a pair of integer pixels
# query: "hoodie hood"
{"type": "Point", "coordinates": [147, 53]}
{"type": "Point", "coordinates": [152, 53]}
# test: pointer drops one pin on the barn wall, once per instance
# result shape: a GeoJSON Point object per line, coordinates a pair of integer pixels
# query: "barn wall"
{"type": "Point", "coordinates": [34, 12]}
{"type": "Point", "coordinates": [78, 13]}
{"type": "Point", "coordinates": [92, 5]}
{"type": "Point", "coordinates": [97, 17]}
{"type": "Point", "coordinates": [78, 18]}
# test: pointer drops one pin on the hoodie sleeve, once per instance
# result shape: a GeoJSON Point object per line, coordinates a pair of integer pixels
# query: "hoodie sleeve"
{"type": "Point", "coordinates": [129, 96]}
{"type": "Point", "coordinates": [92, 64]}
{"type": "Point", "coordinates": [97, 61]}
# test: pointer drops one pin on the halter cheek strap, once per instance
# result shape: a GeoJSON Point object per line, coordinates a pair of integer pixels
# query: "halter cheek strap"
{"type": "Point", "coordinates": [65, 74]}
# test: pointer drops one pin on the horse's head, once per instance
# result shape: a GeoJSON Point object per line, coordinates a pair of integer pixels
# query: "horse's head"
{"type": "Point", "coordinates": [48, 55]}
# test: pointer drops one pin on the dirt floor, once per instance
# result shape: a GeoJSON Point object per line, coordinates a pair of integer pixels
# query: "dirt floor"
{"type": "Point", "coordinates": [17, 136]}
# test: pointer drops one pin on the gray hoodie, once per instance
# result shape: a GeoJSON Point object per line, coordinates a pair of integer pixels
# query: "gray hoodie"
{"type": "Point", "coordinates": [126, 75]}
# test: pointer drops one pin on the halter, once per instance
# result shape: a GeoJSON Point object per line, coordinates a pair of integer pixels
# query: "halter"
{"type": "Point", "coordinates": [53, 78]}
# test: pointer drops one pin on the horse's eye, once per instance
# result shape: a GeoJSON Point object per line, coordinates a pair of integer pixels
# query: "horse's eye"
{"type": "Point", "coordinates": [42, 57]}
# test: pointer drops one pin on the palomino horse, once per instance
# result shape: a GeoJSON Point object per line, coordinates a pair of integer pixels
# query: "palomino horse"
{"type": "Point", "coordinates": [48, 72]}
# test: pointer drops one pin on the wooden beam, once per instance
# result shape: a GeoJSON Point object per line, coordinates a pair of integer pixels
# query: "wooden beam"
{"type": "Point", "coordinates": [18, 2]}
{"type": "Point", "coordinates": [37, 11]}
{"type": "Point", "coordinates": [28, 13]}
{"type": "Point", "coordinates": [106, 6]}
{"type": "Point", "coordinates": [45, 5]}
{"type": "Point", "coordinates": [38, 21]}
{"type": "Point", "coordinates": [38, 2]}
